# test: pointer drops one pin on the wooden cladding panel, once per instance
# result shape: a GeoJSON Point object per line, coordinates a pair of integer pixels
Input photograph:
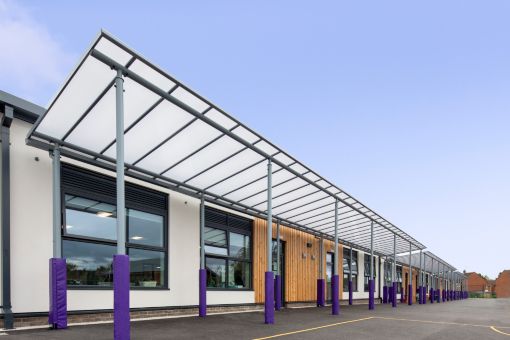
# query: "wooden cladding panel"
{"type": "Point", "coordinates": [301, 262]}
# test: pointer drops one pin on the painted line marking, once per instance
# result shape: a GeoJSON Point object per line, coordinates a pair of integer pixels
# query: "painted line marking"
{"type": "Point", "coordinates": [313, 328]}
{"type": "Point", "coordinates": [500, 332]}
{"type": "Point", "coordinates": [438, 322]}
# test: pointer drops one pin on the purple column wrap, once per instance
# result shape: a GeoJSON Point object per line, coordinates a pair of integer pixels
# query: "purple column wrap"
{"type": "Point", "coordinates": [121, 326]}
{"type": "Point", "coordinates": [410, 295]}
{"type": "Point", "coordinates": [269, 299]}
{"type": "Point", "coordinates": [431, 295]}
{"type": "Point", "coordinates": [390, 294]}
{"type": "Point", "coordinates": [443, 295]}
{"type": "Point", "coordinates": [57, 317]}
{"type": "Point", "coordinates": [278, 292]}
{"type": "Point", "coordinates": [335, 306]}
{"type": "Point", "coordinates": [371, 293]}
{"type": "Point", "coordinates": [385, 294]}
{"type": "Point", "coordinates": [321, 293]}
{"type": "Point", "coordinates": [202, 292]}
{"type": "Point", "coordinates": [394, 295]}
{"type": "Point", "coordinates": [350, 292]}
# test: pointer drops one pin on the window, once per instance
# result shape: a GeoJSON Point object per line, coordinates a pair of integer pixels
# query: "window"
{"type": "Point", "coordinates": [399, 279]}
{"type": "Point", "coordinates": [348, 268]}
{"type": "Point", "coordinates": [388, 267]}
{"type": "Point", "coordinates": [227, 240]}
{"type": "Point", "coordinates": [367, 270]}
{"type": "Point", "coordinates": [89, 233]}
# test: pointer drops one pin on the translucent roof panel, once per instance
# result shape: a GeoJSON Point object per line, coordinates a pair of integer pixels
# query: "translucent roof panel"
{"type": "Point", "coordinates": [176, 138]}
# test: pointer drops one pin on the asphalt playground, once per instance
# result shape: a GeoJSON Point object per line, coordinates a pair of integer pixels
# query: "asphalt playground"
{"type": "Point", "coordinates": [471, 319]}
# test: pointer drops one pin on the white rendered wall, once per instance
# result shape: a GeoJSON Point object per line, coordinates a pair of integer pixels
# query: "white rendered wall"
{"type": "Point", "coordinates": [361, 294]}
{"type": "Point", "coordinates": [31, 241]}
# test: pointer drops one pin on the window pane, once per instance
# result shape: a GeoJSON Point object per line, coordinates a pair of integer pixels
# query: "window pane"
{"type": "Point", "coordinates": [145, 228]}
{"type": "Point", "coordinates": [239, 246]}
{"type": "Point", "coordinates": [216, 272]}
{"type": "Point", "coordinates": [238, 274]}
{"type": "Point", "coordinates": [88, 264]}
{"type": "Point", "coordinates": [215, 241]}
{"type": "Point", "coordinates": [147, 268]}
{"type": "Point", "coordinates": [90, 218]}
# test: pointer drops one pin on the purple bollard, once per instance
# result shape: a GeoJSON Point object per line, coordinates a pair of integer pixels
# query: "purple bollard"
{"type": "Point", "coordinates": [335, 307]}
{"type": "Point", "coordinates": [390, 294]}
{"type": "Point", "coordinates": [443, 294]}
{"type": "Point", "coordinates": [269, 299]}
{"type": "Point", "coordinates": [202, 292]}
{"type": "Point", "coordinates": [385, 294]}
{"type": "Point", "coordinates": [431, 295]}
{"type": "Point", "coordinates": [350, 292]}
{"type": "Point", "coordinates": [321, 296]}
{"type": "Point", "coordinates": [121, 318]}
{"type": "Point", "coordinates": [410, 295]}
{"type": "Point", "coordinates": [394, 295]}
{"type": "Point", "coordinates": [371, 294]}
{"type": "Point", "coordinates": [57, 317]}
{"type": "Point", "coordinates": [278, 292]}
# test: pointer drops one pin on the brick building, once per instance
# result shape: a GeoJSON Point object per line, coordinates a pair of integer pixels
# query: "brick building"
{"type": "Point", "coordinates": [479, 284]}
{"type": "Point", "coordinates": [502, 288]}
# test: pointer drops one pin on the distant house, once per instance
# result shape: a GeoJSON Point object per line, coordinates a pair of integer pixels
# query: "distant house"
{"type": "Point", "coordinates": [479, 284]}
{"type": "Point", "coordinates": [503, 284]}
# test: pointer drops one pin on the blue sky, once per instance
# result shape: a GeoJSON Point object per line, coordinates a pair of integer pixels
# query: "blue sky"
{"type": "Point", "coordinates": [404, 104]}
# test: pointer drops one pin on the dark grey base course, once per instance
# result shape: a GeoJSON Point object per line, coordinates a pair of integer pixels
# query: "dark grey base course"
{"type": "Point", "coordinates": [251, 325]}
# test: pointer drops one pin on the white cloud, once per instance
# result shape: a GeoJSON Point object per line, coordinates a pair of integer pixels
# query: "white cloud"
{"type": "Point", "coordinates": [31, 60]}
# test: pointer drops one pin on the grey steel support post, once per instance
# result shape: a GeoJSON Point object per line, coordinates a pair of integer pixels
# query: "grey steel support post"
{"type": "Point", "coordinates": [394, 273]}
{"type": "Point", "coordinates": [119, 141]}
{"type": "Point", "coordinates": [269, 304]}
{"type": "Point", "coordinates": [432, 281]}
{"type": "Point", "coordinates": [278, 280]}
{"type": "Point", "coordinates": [438, 289]}
{"type": "Point", "coordinates": [335, 287]}
{"type": "Point", "coordinates": [420, 282]}
{"type": "Point", "coordinates": [371, 290]}
{"type": "Point", "coordinates": [202, 273]}
{"type": "Point", "coordinates": [350, 276]}
{"type": "Point", "coordinates": [410, 289]}
{"type": "Point", "coordinates": [57, 220]}
{"type": "Point", "coordinates": [6, 217]}
{"type": "Point", "coordinates": [121, 318]}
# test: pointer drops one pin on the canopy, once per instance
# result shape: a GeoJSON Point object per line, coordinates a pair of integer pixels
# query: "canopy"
{"type": "Point", "coordinates": [427, 264]}
{"type": "Point", "coordinates": [178, 139]}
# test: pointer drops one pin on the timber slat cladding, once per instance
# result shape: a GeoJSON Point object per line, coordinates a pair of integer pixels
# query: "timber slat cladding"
{"type": "Point", "coordinates": [301, 262]}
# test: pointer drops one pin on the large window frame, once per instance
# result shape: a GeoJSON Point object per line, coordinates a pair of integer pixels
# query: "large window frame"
{"type": "Point", "coordinates": [108, 199]}
{"type": "Point", "coordinates": [230, 258]}
{"type": "Point", "coordinates": [347, 263]}
{"type": "Point", "coordinates": [366, 269]}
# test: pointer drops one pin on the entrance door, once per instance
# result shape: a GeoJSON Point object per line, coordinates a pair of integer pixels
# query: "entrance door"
{"type": "Point", "coordinates": [330, 259]}
{"type": "Point", "coordinates": [274, 266]}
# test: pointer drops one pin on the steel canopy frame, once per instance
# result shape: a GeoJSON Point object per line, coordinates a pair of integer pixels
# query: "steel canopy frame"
{"type": "Point", "coordinates": [301, 188]}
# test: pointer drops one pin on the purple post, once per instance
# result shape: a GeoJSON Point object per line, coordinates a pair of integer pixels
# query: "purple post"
{"type": "Point", "coordinates": [410, 295]}
{"type": "Point", "coordinates": [371, 293]}
{"type": "Point", "coordinates": [321, 296]}
{"type": "Point", "coordinates": [121, 326]}
{"type": "Point", "coordinates": [390, 294]}
{"type": "Point", "coordinates": [278, 292]}
{"type": "Point", "coordinates": [269, 299]}
{"type": "Point", "coordinates": [443, 295]}
{"type": "Point", "coordinates": [431, 295]}
{"type": "Point", "coordinates": [57, 317]}
{"type": "Point", "coordinates": [385, 294]}
{"type": "Point", "coordinates": [335, 307]}
{"type": "Point", "coordinates": [350, 292]}
{"type": "Point", "coordinates": [202, 292]}
{"type": "Point", "coordinates": [394, 295]}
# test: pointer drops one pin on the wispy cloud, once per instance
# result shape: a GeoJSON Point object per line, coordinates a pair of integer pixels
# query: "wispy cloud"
{"type": "Point", "coordinates": [31, 60]}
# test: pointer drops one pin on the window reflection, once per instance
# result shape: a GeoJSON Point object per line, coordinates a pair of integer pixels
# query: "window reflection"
{"type": "Point", "coordinates": [147, 268]}
{"type": "Point", "coordinates": [88, 264]}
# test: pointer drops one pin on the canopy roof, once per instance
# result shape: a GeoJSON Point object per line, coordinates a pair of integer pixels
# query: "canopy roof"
{"type": "Point", "coordinates": [178, 139]}
{"type": "Point", "coordinates": [427, 264]}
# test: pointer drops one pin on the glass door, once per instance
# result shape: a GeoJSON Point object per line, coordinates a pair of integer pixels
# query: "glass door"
{"type": "Point", "coordinates": [274, 265]}
{"type": "Point", "coordinates": [329, 274]}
